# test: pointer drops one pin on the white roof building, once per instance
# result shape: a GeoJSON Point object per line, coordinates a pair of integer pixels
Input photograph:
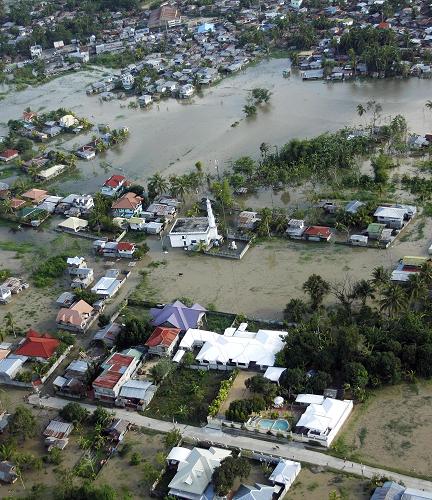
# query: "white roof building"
{"type": "Point", "coordinates": [321, 422]}
{"type": "Point", "coordinates": [285, 472]}
{"type": "Point", "coordinates": [195, 472]}
{"type": "Point", "coordinates": [10, 366]}
{"type": "Point", "coordinates": [73, 224]}
{"type": "Point", "coordinates": [308, 399]}
{"type": "Point", "coordinates": [274, 373]}
{"type": "Point", "coordinates": [236, 347]}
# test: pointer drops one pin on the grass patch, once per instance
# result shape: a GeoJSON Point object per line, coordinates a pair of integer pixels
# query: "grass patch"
{"type": "Point", "coordinates": [362, 435]}
{"type": "Point", "coordinates": [48, 271]}
{"type": "Point", "coordinates": [185, 395]}
{"type": "Point", "coordinates": [218, 323]}
{"type": "Point", "coordinates": [19, 248]}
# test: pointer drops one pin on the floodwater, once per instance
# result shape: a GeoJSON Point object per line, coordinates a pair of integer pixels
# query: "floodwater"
{"type": "Point", "coordinates": [172, 135]}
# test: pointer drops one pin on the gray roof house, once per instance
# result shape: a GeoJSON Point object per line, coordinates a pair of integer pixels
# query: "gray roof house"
{"type": "Point", "coordinates": [178, 315]}
{"type": "Point", "coordinates": [394, 491]}
{"type": "Point", "coordinates": [8, 472]}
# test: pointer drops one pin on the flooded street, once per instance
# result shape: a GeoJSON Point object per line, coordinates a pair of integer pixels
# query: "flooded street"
{"type": "Point", "coordinates": [173, 135]}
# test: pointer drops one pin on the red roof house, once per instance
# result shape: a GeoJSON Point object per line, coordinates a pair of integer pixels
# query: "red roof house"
{"type": "Point", "coordinates": [126, 249]}
{"type": "Point", "coordinates": [129, 205]}
{"type": "Point", "coordinates": [163, 340]}
{"type": "Point", "coordinates": [8, 155]}
{"type": "Point", "coordinates": [117, 369]}
{"type": "Point", "coordinates": [317, 233]}
{"type": "Point", "coordinates": [114, 185]}
{"type": "Point", "coordinates": [38, 346]}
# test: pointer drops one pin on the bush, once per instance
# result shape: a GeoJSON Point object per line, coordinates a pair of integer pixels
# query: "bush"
{"type": "Point", "coordinates": [135, 459]}
{"type": "Point", "coordinates": [125, 449]}
{"type": "Point", "coordinates": [46, 272]}
{"type": "Point", "coordinates": [240, 409]}
{"type": "Point", "coordinates": [222, 394]}
{"type": "Point", "coordinates": [53, 457]}
{"type": "Point", "coordinates": [74, 412]}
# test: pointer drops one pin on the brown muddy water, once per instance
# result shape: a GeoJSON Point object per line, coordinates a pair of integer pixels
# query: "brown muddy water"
{"type": "Point", "coordinates": [172, 135]}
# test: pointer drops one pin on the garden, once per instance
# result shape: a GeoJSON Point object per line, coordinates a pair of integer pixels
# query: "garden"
{"type": "Point", "coordinates": [185, 395]}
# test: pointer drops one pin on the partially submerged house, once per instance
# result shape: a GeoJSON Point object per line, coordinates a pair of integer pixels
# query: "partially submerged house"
{"type": "Point", "coordinates": [8, 472]}
{"type": "Point", "coordinates": [129, 205]}
{"type": "Point", "coordinates": [114, 185]}
{"type": "Point", "coordinates": [189, 232]}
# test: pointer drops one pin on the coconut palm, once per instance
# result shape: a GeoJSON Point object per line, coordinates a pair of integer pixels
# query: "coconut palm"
{"type": "Point", "coordinates": [10, 324]}
{"type": "Point", "coordinates": [429, 105]}
{"type": "Point", "coordinates": [264, 224]}
{"type": "Point", "coordinates": [363, 290]}
{"type": "Point", "coordinates": [361, 110]}
{"type": "Point", "coordinates": [393, 299]}
{"type": "Point", "coordinates": [380, 277]}
{"type": "Point", "coordinates": [417, 289]}
{"type": "Point", "coordinates": [317, 288]}
{"type": "Point", "coordinates": [6, 207]}
{"type": "Point", "coordinates": [157, 184]}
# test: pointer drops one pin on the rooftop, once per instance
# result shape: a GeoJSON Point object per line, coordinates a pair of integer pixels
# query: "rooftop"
{"type": "Point", "coordinates": [190, 225]}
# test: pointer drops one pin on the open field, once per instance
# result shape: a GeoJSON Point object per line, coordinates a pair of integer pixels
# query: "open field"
{"type": "Point", "coordinates": [392, 428]}
{"type": "Point", "coordinates": [126, 478]}
{"type": "Point", "coordinates": [315, 484]}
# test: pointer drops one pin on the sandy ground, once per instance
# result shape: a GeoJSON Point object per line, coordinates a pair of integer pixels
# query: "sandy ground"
{"type": "Point", "coordinates": [270, 274]}
{"type": "Point", "coordinates": [393, 428]}
{"type": "Point", "coordinates": [317, 486]}
{"type": "Point", "coordinates": [238, 390]}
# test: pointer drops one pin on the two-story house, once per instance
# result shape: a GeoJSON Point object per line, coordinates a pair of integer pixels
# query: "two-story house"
{"type": "Point", "coordinates": [129, 205]}
{"type": "Point", "coordinates": [77, 318]}
{"type": "Point", "coordinates": [117, 370]}
{"type": "Point", "coordinates": [113, 186]}
{"type": "Point", "coordinates": [163, 340]}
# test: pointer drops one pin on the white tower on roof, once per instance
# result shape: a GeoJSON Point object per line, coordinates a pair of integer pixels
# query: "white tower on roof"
{"type": "Point", "coordinates": [210, 216]}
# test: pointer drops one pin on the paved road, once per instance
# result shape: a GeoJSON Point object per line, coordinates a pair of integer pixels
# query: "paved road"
{"type": "Point", "coordinates": [295, 451]}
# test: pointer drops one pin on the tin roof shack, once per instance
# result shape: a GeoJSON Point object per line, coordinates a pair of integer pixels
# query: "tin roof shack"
{"type": "Point", "coordinates": [8, 472]}
{"type": "Point", "coordinates": [248, 220]}
{"type": "Point", "coordinates": [136, 394]}
{"type": "Point", "coordinates": [57, 434]}
{"type": "Point", "coordinates": [108, 334]}
{"type": "Point", "coordinates": [72, 383]}
{"type": "Point", "coordinates": [117, 429]}
{"type": "Point", "coordinates": [317, 233]}
{"type": "Point", "coordinates": [295, 229]}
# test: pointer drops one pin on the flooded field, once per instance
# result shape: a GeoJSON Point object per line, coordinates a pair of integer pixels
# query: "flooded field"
{"type": "Point", "coordinates": [273, 272]}
{"type": "Point", "coordinates": [173, 135]}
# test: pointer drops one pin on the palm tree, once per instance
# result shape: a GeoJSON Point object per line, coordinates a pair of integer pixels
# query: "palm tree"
{"type": "Point", "coordinates": [380, 277]}
{"type": "Point", "coordinates": [264, 149]}
{"type": "Point", "coordinates": [10, 324]}
{"type": "Point", "coordinates": [361, 110]}
{"type": "Point", "coordinates": [264, 224]}
{"type": "Point", "coordinates": [157, 184]}
{"type": "Point", "coordinates": [428, 105]}
{"type": "Point", "coordinates": [417, 289]}
{"type": "Point", "coordinates": [317, 288]}
{"type": "Point", "coordinates": [6, 207]}
{"type": "Point", "coordinates": [7, 450]}
{"type": "Point", "coordinates": [363, 290]}
{"type": "Point", "coordinates": [393, 300]}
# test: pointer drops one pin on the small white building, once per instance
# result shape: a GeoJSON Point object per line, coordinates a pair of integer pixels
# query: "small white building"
{"type": "Point", "coordinates": [188, 232]}
{"type": "Point", "coordinates": [107, 287]}
{"type": "Point", "coordinates": [323, 418]}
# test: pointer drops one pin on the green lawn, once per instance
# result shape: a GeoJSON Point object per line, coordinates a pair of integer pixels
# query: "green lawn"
{"type": "Point", "coordinates": [185, 395]}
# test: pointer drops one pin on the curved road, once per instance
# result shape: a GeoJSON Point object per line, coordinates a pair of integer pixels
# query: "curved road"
{"type": "Point", "coordinates": [294, 451]}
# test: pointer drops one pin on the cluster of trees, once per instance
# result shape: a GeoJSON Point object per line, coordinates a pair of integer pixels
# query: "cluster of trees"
{"type": "Point", "coordinates": [377, 47]}
{"type": "Point", "coordinates": [323, 157]}
{"type": "Point", "coordinates": [176, 185]}
{"type": "Point", "coordinates": [377, 333]}
{"type": "Point", "coordinates": [134, 332]}
{"type": "Point", "coordinates": [256, 97]}
{"type": "Point", "coordinates": [229, 469]}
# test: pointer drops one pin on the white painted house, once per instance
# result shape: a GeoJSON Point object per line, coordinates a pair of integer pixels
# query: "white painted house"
{"type": "Point", "coordinates": [188, 232]}
{"type": "Point", "coordinates": [195, 470]}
